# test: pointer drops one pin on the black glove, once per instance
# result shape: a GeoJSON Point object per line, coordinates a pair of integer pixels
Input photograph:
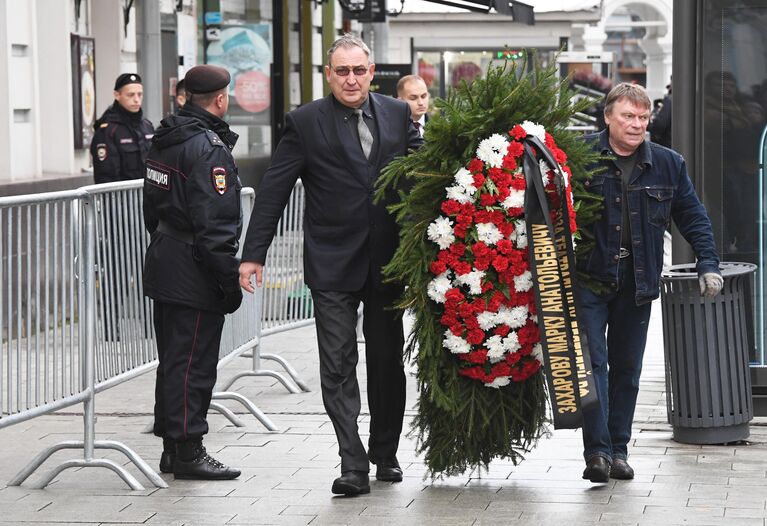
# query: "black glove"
{"type": "Point", "coordinates": [232, 300]}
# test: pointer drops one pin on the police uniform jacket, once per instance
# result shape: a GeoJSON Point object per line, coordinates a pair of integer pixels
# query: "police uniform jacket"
{"type": "Point", "coordinates": [120, 145]}
{"type": "Point", "coordinates": [192, 210]}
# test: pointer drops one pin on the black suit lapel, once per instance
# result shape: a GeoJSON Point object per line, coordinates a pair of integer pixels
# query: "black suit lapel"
{"type": "Point", "coordinates": [384, 125]}
{"type": "Point", "coordinates": [340, 142]}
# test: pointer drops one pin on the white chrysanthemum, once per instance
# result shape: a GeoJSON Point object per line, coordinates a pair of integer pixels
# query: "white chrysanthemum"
{"type": "Point", "coordinates": [486, 320]}
{"type": "Point", "coordinates": [455, 344]}
{"type": "Point", "coordinates": [440, 231]}
{"type": "Point", "coordinates": [523, 282]}
{"type": "Point", "coordinates": [438, 286]}
{"type": "Point", "coordinates": [500, 381]}
{"type": "Point", "coordinates": [537, 352]}
{"type": "Point", "coordinates": [516, 199]}
{"type": "Point", "coordinates": [511, 342]}
{"type": "Point", "coordinates": [459, 194]}
{"type": "Point", "coordinates": [488, 233]}
{"type": "Point", "coordinates": [465, 180]}
{"type": "Point", "coordinates": [492, 150]}
{"type": "Point", "coordinates": [520, 234]}
{"type": "Point", "coordinates": [473, 280]}
{"type": "Point", "coordinates": [514, 317]}
{"type": "Point", "coordinates": [545, 176]}
{"type": "Point", "coordinates": [495, 349]}
{"type": "Point", "coordinates": [535, 129]}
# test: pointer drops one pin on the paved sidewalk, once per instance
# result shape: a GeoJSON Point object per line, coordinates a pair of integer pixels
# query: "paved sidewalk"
{"type": "Point", "coordinates": [287, 474]}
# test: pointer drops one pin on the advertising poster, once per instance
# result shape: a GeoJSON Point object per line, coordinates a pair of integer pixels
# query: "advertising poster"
{"type": "Point", "coordinates": [245, 50]}
{"type": "Point", "coordinates": [83, 89]}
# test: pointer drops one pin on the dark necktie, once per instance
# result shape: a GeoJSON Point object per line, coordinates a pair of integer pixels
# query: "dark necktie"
{"type": "Point", "coordinates": [366, 138]}
{"type": "Point", "coordinates": [417, 126]}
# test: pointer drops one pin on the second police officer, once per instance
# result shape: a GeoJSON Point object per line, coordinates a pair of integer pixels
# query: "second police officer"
{"type": "Point", "coordinates": [192, 210]}
{"type": "Point", "coordinates": [123, 136]}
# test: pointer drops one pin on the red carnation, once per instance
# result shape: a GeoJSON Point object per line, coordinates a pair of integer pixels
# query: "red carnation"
{"type": "Point", "coordinates": [518, 132]}
{"type": "Point", "coordinates": [448, 320]}
{"type": "Point", "coordinates": [487, 199]}
{"type": "Point", "coordinates": [500, 263]}
{"type": "Point", "coordinates": [479, 356]}
{"type": "Point", "coordinates": [528, 334]}
{"type": "Point", "coordinates": [476, 166]}
{"type": "Point", "coordinates": [487, 286]}
{"type": "Point", "coordinates": [457, 249]}
{"type": "Point", "coordinates": [461, 267]}
{"type": "Point", "coordinates": [475, 373]}
{"type": "Point", "coordinates": [455, 295]}
{"type": "Point", "coordinates": [518, 183]}
{"type": "Point", "coordinates": [465, 310]}
{"type": "Point", "coordinates": [437, 267]}
{"type": "Point", "coordinates": [479, 249]}
{"type": "Point", "coordinates": [471, 323]}
{"type": "Point", "coordinates": [479, 180]}
{"type": "Point", "coordinates": [509, 163]}
{"type": "Point", "coordinates": [549, 141]}
{"type": "Point", "coordinates": [482, 216]}
{"type": "Point", "coordinates": [475, 337]}
{"type": "Point", "coordinates": [502, 330]}
{"type": "Point", "coordinates": [515, 148]}
{"type": "Point", "coordinates": [456, 329]}
{"type": "Point", "coordinates": [513, 358]}
{"type": "Point", "coordinates": [460, 231]}
{"type": "Point", "coordinates": [505, 246]}
{"type": "Point", "coordinates": [451, 207]}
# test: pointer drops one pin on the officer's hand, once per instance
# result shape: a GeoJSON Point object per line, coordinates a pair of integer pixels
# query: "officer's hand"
{"type": "Point", "coordinates": [247, 269]}
{"type": "Point", "coordinates": [232, 300]}
{"type": "Point", "coordinates": [710, 284]}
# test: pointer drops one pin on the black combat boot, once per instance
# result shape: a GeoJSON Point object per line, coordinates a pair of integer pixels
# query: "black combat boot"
{"type": "Point", "coordinates": [193, 462]}
{"type": "Point", "coordinates": [168, 456]}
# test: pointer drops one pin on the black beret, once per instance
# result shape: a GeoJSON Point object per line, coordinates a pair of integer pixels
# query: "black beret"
{"type": "Point", "coordinates": [125, 79]}
{"type": "Point", "coordinates": [206, 78]}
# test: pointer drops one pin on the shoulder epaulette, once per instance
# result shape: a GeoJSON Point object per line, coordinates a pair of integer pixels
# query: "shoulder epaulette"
{"type": "Point", "coordinates": [214, 138]}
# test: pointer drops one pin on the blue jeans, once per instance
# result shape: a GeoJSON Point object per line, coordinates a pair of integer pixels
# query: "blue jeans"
{"type": "Point", "coordinates": [616, 331]}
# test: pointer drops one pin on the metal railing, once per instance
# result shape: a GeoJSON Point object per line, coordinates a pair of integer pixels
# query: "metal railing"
{"type": "Point", "coordinates": [287, 303]}
{"type": "Point", "coordinates": [74, 320]}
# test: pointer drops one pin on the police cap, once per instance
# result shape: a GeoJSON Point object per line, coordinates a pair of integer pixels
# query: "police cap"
{"type": "Point", "coordinates": [125, 79]}
{"type": "Point", "coordinates": [206, 78]}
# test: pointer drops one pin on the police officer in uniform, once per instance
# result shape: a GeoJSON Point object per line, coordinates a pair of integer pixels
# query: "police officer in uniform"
{"type": "Point", "coordinates": [123, 135]}
{"type": "Point", "coordinates": [119, 148]}
{"type": "Point", "coordinates": [192, 211]}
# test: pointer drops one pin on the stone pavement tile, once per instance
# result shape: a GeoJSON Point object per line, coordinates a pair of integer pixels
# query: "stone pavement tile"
{"type": "Point", "coordinates": [742, 480]}
{"type": "Point", "coordinates": [657, 499]}
{"type": "Point", "coordinates": [181, 518]}
{"type": "Point", "coordinates": [700, 521]}
{"type": "Point", "coordinates": [425, 511]}
{"type": "Point", "coordinates": [730, 502]}
{"type": "Point", "coordinates": [742, 512]}
{"type": "Point", "coordinates": [684, 478]}
{"type": "Point", "coordinates": [545, 516]}
{"type": "Point", "coordinates": [341, 520]}
{"type": "Point", "coordinates": [667, 513]}
{"type": "Point", "coordinates": [542, 495]}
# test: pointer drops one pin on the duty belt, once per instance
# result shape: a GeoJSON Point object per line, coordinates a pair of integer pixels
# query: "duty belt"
{"type": "Point", "coordinates": [624, 253]}
{"type": "Point", "coordinates": [179, 235]}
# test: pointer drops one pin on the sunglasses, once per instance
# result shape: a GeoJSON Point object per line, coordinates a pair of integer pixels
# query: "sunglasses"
{"type": "Point", "coordinates": [343, 71]}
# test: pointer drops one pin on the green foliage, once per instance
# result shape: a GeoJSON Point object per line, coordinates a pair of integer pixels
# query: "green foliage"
{"type": "Point", "coordinates": [461, 423]}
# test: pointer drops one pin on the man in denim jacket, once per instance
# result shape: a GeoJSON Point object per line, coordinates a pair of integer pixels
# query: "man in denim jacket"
{"type": "Point", "coordinates": [644, 186]}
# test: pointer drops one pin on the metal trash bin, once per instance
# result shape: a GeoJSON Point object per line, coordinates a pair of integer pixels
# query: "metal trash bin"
{"type": "Point", "coordinates": [707, 343]}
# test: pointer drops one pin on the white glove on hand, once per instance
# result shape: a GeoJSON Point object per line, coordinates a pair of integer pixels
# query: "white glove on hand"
{"type": "Point", "coordinates": [710, 284]}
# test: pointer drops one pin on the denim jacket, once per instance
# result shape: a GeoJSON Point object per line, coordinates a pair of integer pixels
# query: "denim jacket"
{"type": "Point", "coordinates": [659, 190]}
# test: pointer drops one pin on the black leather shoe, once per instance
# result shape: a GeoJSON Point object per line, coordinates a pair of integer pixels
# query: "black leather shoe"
{"type": "Point", "coordinates": [200, 466]}
{"type": "Point", "coordinates": [621, 470]}
{"type": "Point", "coordinates": [351, 483]}
{"type": "Point", "coordinates": [597, 470]}
{"type": "Point", "coordinates": [388, 470]}
{"type": "Point", "coordinates": [168, 456]}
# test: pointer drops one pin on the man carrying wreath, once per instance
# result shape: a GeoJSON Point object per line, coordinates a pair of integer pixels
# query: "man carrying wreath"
{"type": "Point", "coordinates": [643, 185]}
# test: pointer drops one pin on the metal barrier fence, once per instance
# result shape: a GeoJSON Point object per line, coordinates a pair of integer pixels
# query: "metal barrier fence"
{"type": "Point", "coordinates": [74, 320]}
{"type": "Point", "coordinates": [287, 303]}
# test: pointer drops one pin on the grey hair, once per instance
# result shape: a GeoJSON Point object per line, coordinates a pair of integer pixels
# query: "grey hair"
{"type": "Point", "coordinates": [633, 92]}
{"type": "Point", "coordinates": [348, 41]}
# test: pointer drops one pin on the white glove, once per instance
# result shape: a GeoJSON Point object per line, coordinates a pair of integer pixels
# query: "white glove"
{"type": "Point", "coordinates": [710, 284]}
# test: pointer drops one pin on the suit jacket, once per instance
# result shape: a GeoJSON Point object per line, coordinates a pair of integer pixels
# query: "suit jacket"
{"type": "Point", "coordinates": [346, 235]}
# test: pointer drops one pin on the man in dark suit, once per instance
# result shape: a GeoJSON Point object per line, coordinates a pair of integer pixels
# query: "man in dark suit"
{"type": "Point", "coordinates": [337, 146]}
{"type": "Point", "coordinates": [412, 89]}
